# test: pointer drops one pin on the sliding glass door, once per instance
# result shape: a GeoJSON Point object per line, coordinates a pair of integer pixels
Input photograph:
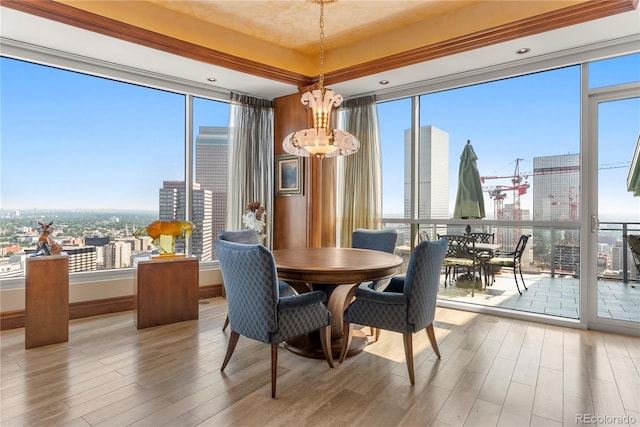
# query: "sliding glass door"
{"type": "Point", "coordinates": [614, 285]}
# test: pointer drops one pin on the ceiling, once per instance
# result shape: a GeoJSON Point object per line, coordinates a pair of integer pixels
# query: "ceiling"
{"type": "Point", "coordinates": [270, 48]}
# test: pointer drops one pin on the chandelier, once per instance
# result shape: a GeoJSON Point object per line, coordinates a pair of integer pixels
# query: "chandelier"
{"type": "Point", "coordinates": [321, 141]}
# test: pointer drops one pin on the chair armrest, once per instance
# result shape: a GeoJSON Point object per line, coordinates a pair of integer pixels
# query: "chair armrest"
{"type": "Point", "coordinates": [396, 284]}
{"type": "Point", "coordinates": [366, 294]}
{"type": "Point", "coordinates": [301, 300]}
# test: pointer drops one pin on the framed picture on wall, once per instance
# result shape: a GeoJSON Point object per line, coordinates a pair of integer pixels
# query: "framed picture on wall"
{"type": "Point", "coordinates": [289, 177]}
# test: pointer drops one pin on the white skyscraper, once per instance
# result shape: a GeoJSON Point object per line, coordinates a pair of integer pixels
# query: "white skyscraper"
{"type": "Point", "coordinates": [212, 145]}
{"type": "Point", "coordinates": [433, 184]}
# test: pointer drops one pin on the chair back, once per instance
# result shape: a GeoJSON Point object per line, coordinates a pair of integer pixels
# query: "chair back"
{"type": "Point", "coordinates": [378, 240]}
{"type": "Point", "coordinates": [422, 281]}
{"type": "Point", "coordinates": [483, 237]}
{"type": "Point", "coordinates": [522, 243]}
{"type": "Point", "coordinates": [459, 246]}
{"type": "Point", "coordinates": [251, 282]}
{"type": "Point", "coordinates": [247, 237]}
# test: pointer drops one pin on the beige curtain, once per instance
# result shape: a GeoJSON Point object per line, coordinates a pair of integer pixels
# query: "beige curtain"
{"type": "Point", "coordinates": [359, 175]}
{"type": "Point", "coordinates": [250, 160]}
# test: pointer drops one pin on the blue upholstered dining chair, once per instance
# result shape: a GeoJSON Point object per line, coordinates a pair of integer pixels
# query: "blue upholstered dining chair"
{"type": "Point", "coordinates": [250, 237]}
{"type": "Point", "coordinates": [407, 305]}
{"type": "Point", "coordinates": [377, 240]}
{"type": "Point", "coordinates": [258, 311]}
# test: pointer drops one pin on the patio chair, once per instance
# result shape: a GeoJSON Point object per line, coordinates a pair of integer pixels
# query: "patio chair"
{"type": "Point", "coordinates": [407, 305]}
{"type": "Point", "coordinates": [512, 260]}
{"type": "Point", "coordinates": [258, 311]}
{"type": "Point", "coordinates": [484, 256]}
{"type": "Point", "coordinates": [461, 253]}
{"type": "Point", "coordinates": [250, 237]}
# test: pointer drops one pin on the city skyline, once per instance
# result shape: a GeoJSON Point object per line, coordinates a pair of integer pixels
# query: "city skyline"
{"type": "Point", "coordinates": [120, 163]}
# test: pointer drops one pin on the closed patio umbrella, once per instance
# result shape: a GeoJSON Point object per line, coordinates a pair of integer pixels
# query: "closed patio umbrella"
{"type": "Point", "coordinates": [469, 200]}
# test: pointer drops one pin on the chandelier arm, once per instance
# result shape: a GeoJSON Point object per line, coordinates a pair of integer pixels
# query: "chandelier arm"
{"type": "Point", "coordinates": [321, 141]}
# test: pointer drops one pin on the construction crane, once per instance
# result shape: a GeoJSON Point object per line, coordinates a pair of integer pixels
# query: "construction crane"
{"type": "Point", "coordinates": [573, 205]}
{"type": "Point", "coordinates": [519, 186]}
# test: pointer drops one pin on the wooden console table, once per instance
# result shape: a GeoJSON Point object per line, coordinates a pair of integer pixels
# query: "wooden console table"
{"type": "Point", "coordinates": [46, 300]}
{"type": "Point", "coordinates": [167, 291]}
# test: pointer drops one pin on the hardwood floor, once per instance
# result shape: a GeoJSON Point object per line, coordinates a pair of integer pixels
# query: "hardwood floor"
{"type": "Point", "coordinates": [493, 372]}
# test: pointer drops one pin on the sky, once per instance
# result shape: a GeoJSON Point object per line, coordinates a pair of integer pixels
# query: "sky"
{"type": "Point", "coordinates": [522, 118]}
{"type": "Point", "coordinates": [71, 141]}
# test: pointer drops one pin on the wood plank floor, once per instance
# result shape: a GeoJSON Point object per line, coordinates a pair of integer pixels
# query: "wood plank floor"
{"type": "Point", "coordinates": [493, 372]}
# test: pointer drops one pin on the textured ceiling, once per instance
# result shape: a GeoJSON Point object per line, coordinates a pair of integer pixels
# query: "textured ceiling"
{"type": "Point", "coordinates": [269, 48]}
{"type": "Point", "coordinates": [285, 34]}
{"type": "Point", "coordinates": [294, 24]}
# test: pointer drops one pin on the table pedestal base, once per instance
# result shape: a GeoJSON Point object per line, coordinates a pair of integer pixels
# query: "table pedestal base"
{"type": "Point", "coordinates": [309, 345]}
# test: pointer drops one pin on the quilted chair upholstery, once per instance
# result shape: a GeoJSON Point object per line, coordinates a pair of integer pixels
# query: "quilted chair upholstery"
{"type": "Point", "coordinates": [377, 240]}
{"type": "Point", "coordinates": [250, 237]}
{"type": "Point", "coordinates": [246, 237]}
{"type": "Point", "coordinates": [407, 305]}
{"type": "Point", "coordinates": [256, 309]}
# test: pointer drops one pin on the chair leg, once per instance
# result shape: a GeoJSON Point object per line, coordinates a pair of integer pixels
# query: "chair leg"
{"type": "Point", "coordinates": [325, 340]}
{"type": "Point", "coordinates": [233, 340]}
{"type": "Point", "coordinates": [432, 339]}
{"type": "Point", "coordinates": [522, 278]}
{"type": "Point", "coordinates": [515, 277]}
{"type": "Point", "coordinates": [274, 368]}
{"type": "Point", "coordinates": [377, 334]}
{"type": "Point", "coordinates": [226, 323]}
{"type": "Point", "coordinates": [347, 331]}
{"type": "Point", "coordinates": [408, 354]}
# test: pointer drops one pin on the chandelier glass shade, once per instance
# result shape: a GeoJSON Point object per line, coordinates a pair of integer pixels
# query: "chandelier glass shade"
{"type": "Point", "coordinates": [321, 141]}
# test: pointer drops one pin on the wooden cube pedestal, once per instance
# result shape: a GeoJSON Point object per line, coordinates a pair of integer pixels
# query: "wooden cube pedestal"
{"type": "Point", "coordinates": [46, 300]}
{"type": "Point", "coordinates": [167, 291]}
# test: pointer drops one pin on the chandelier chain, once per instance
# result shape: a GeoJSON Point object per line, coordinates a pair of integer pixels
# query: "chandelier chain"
{"type": "Point", "coordinates": [321, 78]}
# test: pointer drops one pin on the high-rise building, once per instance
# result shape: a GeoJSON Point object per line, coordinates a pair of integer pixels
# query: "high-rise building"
{"type": "Point", "coordinates": [617, 260]}
{"type": "Point", "coordinates": [433, 184]}
{"type": "Point", "coordinates": [212, 150]}
{"type": "Point", "coordinates": [556, 187]}
{"type": "Point", "coordinates": [556, 197]}
{"type": "Point", "coordinates": [172, 207]}
{"type": "Point", "coordinates": [115, 253]}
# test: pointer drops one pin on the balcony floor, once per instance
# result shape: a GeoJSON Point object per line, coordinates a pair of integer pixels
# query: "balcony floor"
{"type": "Point", "coordinates": [549, 295]}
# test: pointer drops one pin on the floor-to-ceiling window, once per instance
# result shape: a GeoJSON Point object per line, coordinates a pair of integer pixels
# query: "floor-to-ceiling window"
{"type": "Point", "coordinates": [100, 159]}
{"type": "Point", "coordinates": [210, 172]}
{"type": "Point", "coordinates": [526, 132]}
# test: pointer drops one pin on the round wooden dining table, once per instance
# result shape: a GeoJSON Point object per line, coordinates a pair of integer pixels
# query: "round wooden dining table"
{"type": "Point", "coordinates": [337, 272]}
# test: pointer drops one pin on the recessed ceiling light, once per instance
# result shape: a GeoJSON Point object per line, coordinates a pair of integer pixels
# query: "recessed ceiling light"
{"type": "Point", "coordinates": [523, 51]}
{"type": "Point", "coordinates": [384, 82]}
{"type": "Point", "coordinates": [211, 79]}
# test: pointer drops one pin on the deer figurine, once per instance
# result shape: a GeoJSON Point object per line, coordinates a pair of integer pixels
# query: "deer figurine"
{"type": "Point", "coordinates": [46, 245]}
